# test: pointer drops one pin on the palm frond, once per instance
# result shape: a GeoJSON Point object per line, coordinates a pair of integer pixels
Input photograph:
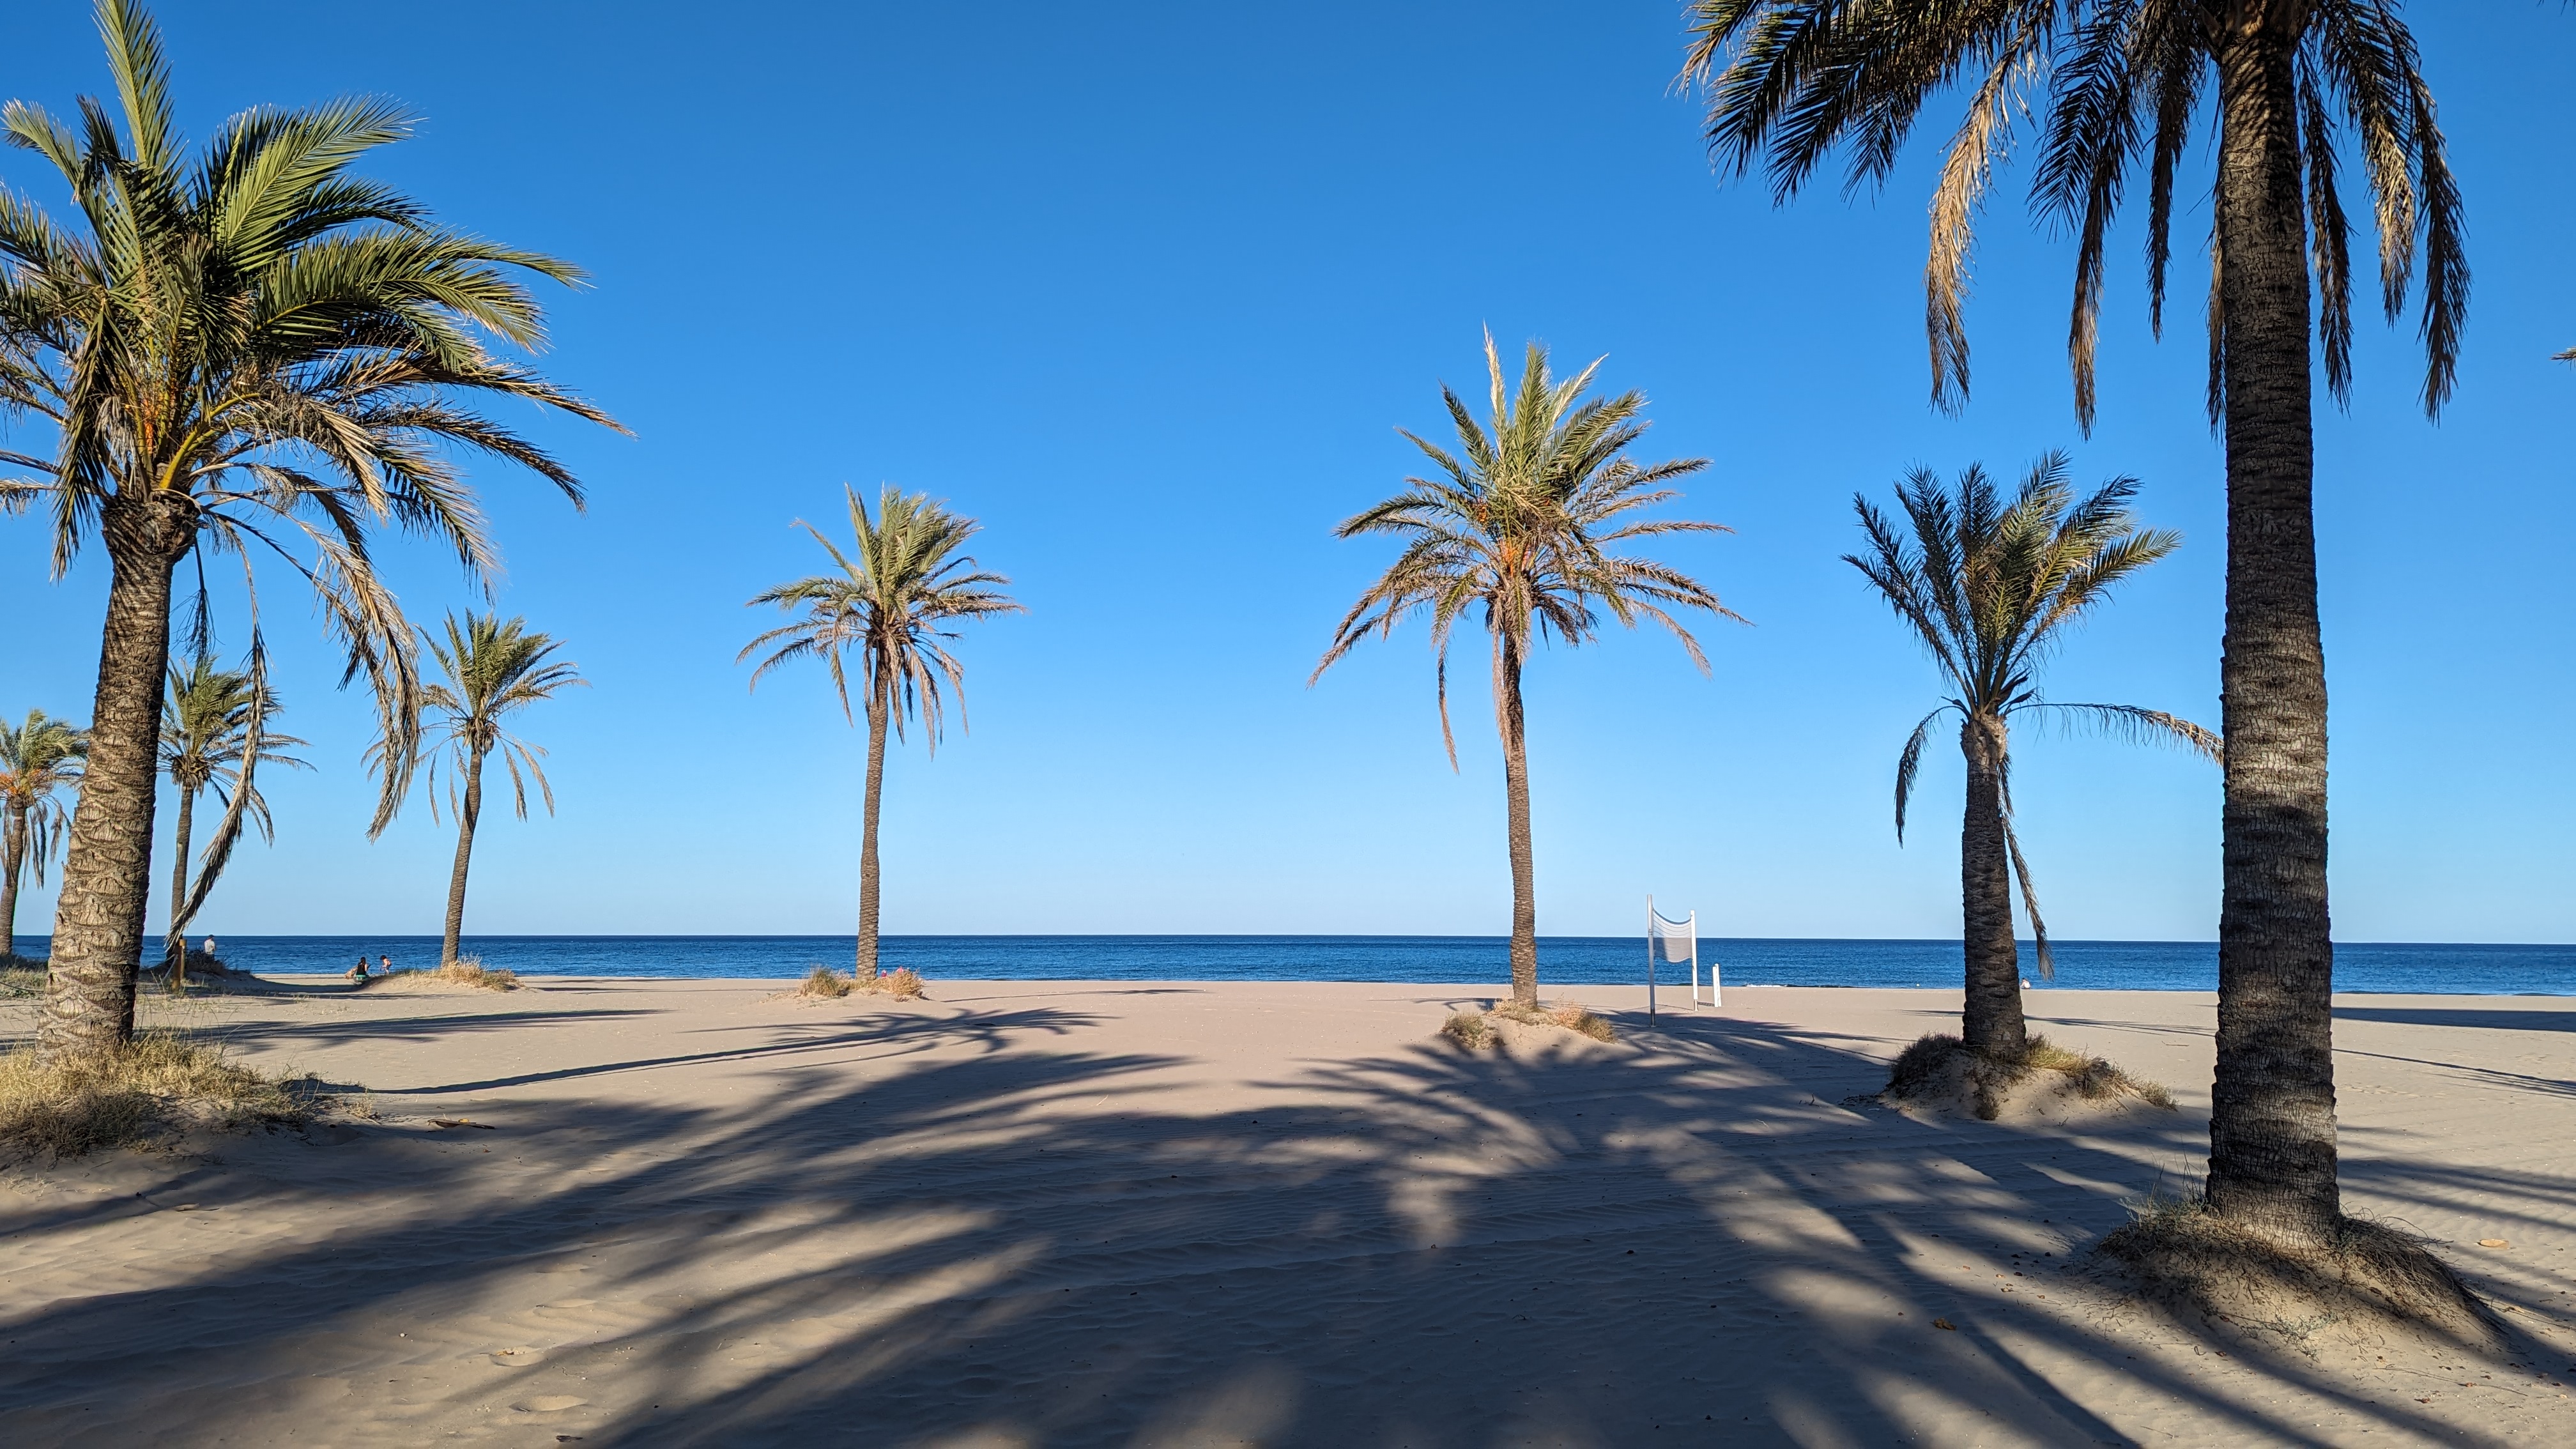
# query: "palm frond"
{"type": "Point", "coordinates": [1907, 762]}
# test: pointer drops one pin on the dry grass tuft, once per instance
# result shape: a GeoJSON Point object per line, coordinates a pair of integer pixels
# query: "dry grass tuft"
{"type": "Point", "coordinates": [20, 976]}
{"type": "Point", "coordinates": [1575, 1017]}
{"type": "Point", "coordinates": [2368, 1275]}
{"type": "Point", "coordinates": [1469, 1029]}
{"type": "Point", "coordinates": [464, 971]}
{"type": "Point", "coordinates": [1938, 1068]}
{"type": "Point", "coordinates": [824, 982]}
{"type": "Point", "coordinates": [141, 1093]}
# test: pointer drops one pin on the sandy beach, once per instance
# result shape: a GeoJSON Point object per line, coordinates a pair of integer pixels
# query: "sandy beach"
{"type": "Point", "coordinates": [1157, 1213]}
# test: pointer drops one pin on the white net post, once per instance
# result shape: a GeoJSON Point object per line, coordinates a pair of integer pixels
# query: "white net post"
{"type": "Point", "coordinates": [1651, 918]}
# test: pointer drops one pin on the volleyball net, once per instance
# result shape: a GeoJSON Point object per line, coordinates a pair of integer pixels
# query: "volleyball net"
{"type": "Point", "coordinates": [1675, 943]}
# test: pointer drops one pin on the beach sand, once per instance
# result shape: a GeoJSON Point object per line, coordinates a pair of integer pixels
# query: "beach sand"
{"type": "Point", "coordinates": [1156, 1213]}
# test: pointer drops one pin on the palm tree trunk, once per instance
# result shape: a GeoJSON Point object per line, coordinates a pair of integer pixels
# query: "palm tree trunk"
{"type": "Point", "coordinates": [175, 948]}
{"type": "Point", "coordinates": [2271, 1127]}
{"type": "Point", "coordinates": [471, 812]}
{"type": "Point", "coordinates": [1992, 1022]}
{"type": "Point", "coordinates": [107, 871]}
{"type": "Point", "coordinates": [13, 858]}
{"type": "Point", "coordinates": [1507, 712]}
{"type": "Point", "coordinates": [867, 961]}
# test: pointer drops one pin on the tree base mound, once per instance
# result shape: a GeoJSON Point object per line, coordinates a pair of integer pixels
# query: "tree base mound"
{"type": "Point", "coordinates": [1940, 1076]}
{"type": "Point", "coordinates": [825, 984]}
{"type": "Point", "coordinates": [2370, 1284]}
{"type": "Point", "coordinates": [1511, 1026]}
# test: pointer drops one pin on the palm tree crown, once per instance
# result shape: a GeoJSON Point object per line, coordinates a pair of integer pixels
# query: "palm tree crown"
{"type": "Point", "coordinates": [492, 667]}
{"type": "Point", "coordinates": [1521, 524]}
{"type": "Point", "coordinates": [2120, 84]}
{"type": "Point", "coordinates": [207, 739]}
{"type": "Point", "coordinates": [39, 758]}
{"type": "Point", "coordinates": [888, 598]}
{"type": "Point", "coordinates": [1988, 587]}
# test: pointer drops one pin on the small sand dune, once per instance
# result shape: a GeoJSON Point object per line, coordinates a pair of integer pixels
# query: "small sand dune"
{"type": "Point", "coordinates": [1066, 1213]}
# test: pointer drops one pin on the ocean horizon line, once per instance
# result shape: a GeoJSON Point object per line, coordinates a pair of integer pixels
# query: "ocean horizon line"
{"type": "Point", "coordinates": [2453, 968]}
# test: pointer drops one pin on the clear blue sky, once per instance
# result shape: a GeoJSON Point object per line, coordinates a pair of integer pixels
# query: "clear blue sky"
{"type": "Point", "coordinates": [1147, 288]}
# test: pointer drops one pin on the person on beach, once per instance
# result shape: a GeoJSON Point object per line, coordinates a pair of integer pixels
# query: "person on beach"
{"type": "Point", "coordinates": [384, 965]}
{"type": "Point", "coordinates": [358, 973]}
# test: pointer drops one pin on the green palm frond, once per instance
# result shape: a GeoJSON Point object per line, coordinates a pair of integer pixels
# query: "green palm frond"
{"type": "Point", "coordinates": [890, 599]}
{"type": "Point", "coordinates": [2112, 85]}
{"type": "Point", "coordinates": [1521, 525]}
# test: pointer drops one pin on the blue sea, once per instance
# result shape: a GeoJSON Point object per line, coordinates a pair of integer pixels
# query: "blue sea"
{"type": "Point", "coordinates": [1570, 960]}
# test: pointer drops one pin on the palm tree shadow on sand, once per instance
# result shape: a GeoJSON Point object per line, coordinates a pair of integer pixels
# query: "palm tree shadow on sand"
{"type": "Point", "coordinates": [1427, 1247]}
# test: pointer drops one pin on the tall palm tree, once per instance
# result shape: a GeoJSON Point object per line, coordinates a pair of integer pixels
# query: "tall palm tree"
{"type": "Point", "coordinates": [1988, 588]}
{"type": "Point", "coordinates": [1520, 527]}
{"type": "Point", "coordinates": [257, 349]}
{"type": "Point", "coordinates": [2119, 85]}
{"type": "Point", "coordinates": [214, 736]}
{"type": "Point", "coordinates": [888, 599]}
{"type": "Point", "coordinates": [39, 758]}
{"type": "Point", "coordinates": [493, 667]}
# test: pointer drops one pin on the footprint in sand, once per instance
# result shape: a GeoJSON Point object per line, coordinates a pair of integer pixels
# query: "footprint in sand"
{"type": "Point", "coordinates": [549, 1404]}
{"type": "Point", "coordinates": [516, 1357]}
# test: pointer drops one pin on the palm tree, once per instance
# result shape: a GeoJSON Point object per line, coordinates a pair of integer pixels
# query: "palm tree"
{"type": "Point", "coordinates": [1988, 588]}
{"type": "Point", "coordinates": [2119, 84]}
{"type": "Point", "coordinates": [38, 758]}
{"type": "Point", "coordinates": [214, 736]}
{"type": "Point", "coordinates": [257, 349]}
{"type": "Point", "coordinates": [888, 599]}
{"type": "Point", "coordinates": [493, 667]}
{"type": "Point", "coordinates": [1519, 526]}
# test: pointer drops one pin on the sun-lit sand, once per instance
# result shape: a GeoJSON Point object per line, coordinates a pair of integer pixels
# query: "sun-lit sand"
{"type": "Point", "coordinates": [1181, 1214]}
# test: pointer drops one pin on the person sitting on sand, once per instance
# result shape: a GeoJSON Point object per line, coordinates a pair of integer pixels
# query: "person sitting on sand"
{"type": "Point", "coordinates": [358, 973]}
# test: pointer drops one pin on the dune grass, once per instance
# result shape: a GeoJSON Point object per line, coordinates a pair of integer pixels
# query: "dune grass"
{"type": "Point", "coordinates": [1936, 1065]}
{"type": "Point", "coordinates": [1469, 1029]}
{"type": "Point", "coordinates": [824, 983]}
{"type": "Point", "coordinates": [144, 1092]}
{"type": "Point", "coordinates": [464, 971]}
{"type": "Point", "coordinates": [21, 976]}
